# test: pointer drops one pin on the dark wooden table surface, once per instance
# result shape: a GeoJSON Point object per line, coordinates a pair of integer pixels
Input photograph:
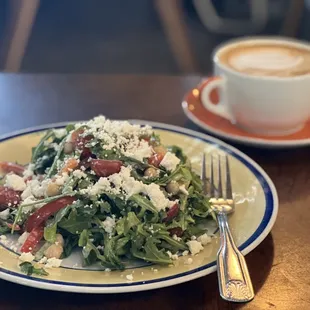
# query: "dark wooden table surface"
{"type": "Point", "coordinates": [280, 265]}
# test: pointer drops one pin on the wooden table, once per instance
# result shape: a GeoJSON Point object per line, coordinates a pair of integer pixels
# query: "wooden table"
{"type": "Point", "coordinates": [279, 265]}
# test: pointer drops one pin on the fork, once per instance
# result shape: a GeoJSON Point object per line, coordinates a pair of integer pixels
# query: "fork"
{"type": "Point", "coordinates": [233, 275]}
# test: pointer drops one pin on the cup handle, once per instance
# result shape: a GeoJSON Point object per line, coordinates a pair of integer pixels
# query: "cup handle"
{"type": "Point", "coordinates": [221, 108]}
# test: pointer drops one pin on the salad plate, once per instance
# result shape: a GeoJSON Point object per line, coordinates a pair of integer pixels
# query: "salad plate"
{"type": "Point", "coordinates": [254, 193]}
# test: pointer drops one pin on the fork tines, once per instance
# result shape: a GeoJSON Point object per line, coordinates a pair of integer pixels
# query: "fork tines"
{"type": "Point", "coordinates": [215, 161]}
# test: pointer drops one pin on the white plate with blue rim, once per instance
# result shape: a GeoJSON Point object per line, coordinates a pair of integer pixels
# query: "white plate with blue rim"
{"type": "Point", "coordinates": [256, 210]}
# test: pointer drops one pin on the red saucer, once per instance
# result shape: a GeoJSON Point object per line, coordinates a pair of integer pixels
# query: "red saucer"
{"type": "Point", "coordinates": [221, 127]}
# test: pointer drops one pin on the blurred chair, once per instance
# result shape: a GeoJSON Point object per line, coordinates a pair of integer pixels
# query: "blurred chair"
{"type": "Point", "coordinates": [214, 23]}
{"type": "Point", "coordinates": [22, 14]}
{"type": "Point", "coordinates": [172, 17]}
{"type": "Point", "coordinates": [21, 17]}
{"type": "Point", "coordinates": [259, 16]}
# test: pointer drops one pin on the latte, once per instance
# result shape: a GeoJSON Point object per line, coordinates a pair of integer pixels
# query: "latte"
{"type": "Point", "coordinates": [278, 60]}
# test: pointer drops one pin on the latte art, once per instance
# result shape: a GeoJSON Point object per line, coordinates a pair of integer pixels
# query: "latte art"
{"type": "Point", "coordinates": [270, 60]}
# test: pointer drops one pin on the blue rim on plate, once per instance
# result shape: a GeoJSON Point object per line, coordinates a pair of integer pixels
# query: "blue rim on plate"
{"type": "Point", "coordinates": [253, 241]}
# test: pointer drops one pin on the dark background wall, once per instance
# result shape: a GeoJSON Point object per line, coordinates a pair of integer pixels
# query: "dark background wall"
{"type": "Point", "coordinates": [122, 36]}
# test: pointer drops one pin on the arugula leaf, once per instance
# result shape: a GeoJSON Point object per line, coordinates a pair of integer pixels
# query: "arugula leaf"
{"type": "Point", "coordinates": [109, 252]}
{"type": "Point", "coordinates": [4, 229]}
{"type": "Point", "coordinates": [29, 269]}
{"type": "Point", "coordinates": [200, 205]}
{"type": "Point", "coordinates": [131, 221]}
{"type": "Point", "coordinates": [75, 224]}
{"type": "Point", "coordinates": [140, 230]}
{"type": "Point", "coordinates": [91, 254]}
{"type": "Point", "coordinates": [117, 203]}
{"type": "Point", "coordinates": [184, 220]}
{"type": "Point", "coordinates": [103, 153]}
{"type": "Point", "coordinates": [150, 252]}
{"type": "Point", "coordinates": [177, 245]}
{"type": "Point", "coordinates": [44, 161]}
{"type": "Point", "coordinates": [37, 151]}
{"type": "Point", "coordinates": [121, 247]}
{"type": "Point", "coordinates": [143, 202]}
{"type": "Point", "coordinates": [53, 165]}
{"type": "Point", "coordinates": [50, 233]}
{"type": "Point", "coordinates": [193, 230]}
{"type": "Point", "coordinates": [124, 224]}
{"type": "Point", "coordinates": [70, 127]}
{"type": "Point", "coordinates": [83, 238]}
{"type": "Point", "coordinates": [51, 230]}
{"type": "Point", "coordinates": [105, 207]}
{"type": "Point", "coordinates": [181, 174]}
{"type": "Point", "coordinates": [70, 243]}
{"type": "Point", "coordinates": [120, 226]}
{"type": "Point", "coordinates": [196, 182]}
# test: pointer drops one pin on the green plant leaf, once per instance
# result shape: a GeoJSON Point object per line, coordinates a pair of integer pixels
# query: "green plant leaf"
{"type": "Point", "coordinates": [29, 269]}
{"type": "Point", "coordinates": [51, 230]}
{"type": "Point", "coordinates": [143, 202]}
{"type": "Point", "coordinates": [75, 224]}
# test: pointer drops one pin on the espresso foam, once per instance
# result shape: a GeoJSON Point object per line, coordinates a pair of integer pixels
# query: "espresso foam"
{"type": "Point", "coordinates": [271, 60]}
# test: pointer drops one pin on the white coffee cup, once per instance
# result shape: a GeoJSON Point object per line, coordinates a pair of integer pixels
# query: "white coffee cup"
{"type": "Point", "coordinates": [262, 104]}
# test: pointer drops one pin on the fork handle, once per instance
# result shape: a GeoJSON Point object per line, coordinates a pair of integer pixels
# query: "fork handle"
{"type": "Point", "coordinates": [233, 275]}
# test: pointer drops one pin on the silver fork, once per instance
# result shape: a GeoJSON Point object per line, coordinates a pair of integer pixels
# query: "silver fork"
{"type": "Point", "coordinates": [233, 275]}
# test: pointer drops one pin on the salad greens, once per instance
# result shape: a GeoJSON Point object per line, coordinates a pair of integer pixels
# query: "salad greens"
{"type": "Point", "coordinates": [29, 269]}
{"type": "Point", "coordinates": [109, 202]}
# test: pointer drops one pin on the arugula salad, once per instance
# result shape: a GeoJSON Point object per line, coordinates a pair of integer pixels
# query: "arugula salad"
{"type": "Point", "coordinates": [109, 188]}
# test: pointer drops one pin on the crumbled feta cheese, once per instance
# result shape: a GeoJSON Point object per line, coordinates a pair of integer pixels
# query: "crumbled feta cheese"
{"type": "Point", "coordinates": [129, 277]}
{"type": "Point", "coordinates": [3, 238]}
{"type": "Point", "coordinates": [61, 179]}
{"type": "Point", "coordinates": [5, 214]}
{"type": "Point", "coordinates": [170, 161]}
{"type": "Point", "coordinates": [188, 261]}
{"type": "Point", "coordinates": [13, 248]}
{"type": "Point", "coordinates": [38, 189]}
{"type": "Point", "coordinates": [108, 224]}
{"type": "Point", "coordinates": [28, 172]}
{"type": "Point", "coordinates": [107, 270]}
{"type": "Point", "coordinates": [172, 256]}
{"type": "Point", "coordinates": [54, 146]}
{"type": "Point", "coordinates": [15, 182]}
{"type": "Point", "coordinates": [140, 151]}
{"type": "Point", "coordinates": [43, 260]}
{"type": "Point", "coordinates": [194, 246]}
{"type": "Point", "coordinates": [79, 174]}
{"type": "Point", "coordinates": [204, 239]}
{"type": "Point", "coordinates": [59, 133]}
{"type": "Point", "coordinates": [53, 262]}
{"type": "Point", "coordinates": [183, 189]}
{"type": "Point", "coordinates": [28, 200]}
{"type": "Point", "coordinates": [26, 193]}
{"type": "Point", "coordinates": [120, 135]}
{"type": "Point", "coordinates": [22, 238]}
{"type": "Point", "coordinates": [103, 185]}
{"type": "Point", "coordinates": [193, 237]}
{"type": "Point", "coordinates": [185, 253]}
{"type": "Point", "coordinates": [157, 196]}
{"type": "Point", "coordinates": [124, 182]}
{"type": "Point", "coordinates": [175, 237]}
{"type": "Point", "coordinates": [26, 257]}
